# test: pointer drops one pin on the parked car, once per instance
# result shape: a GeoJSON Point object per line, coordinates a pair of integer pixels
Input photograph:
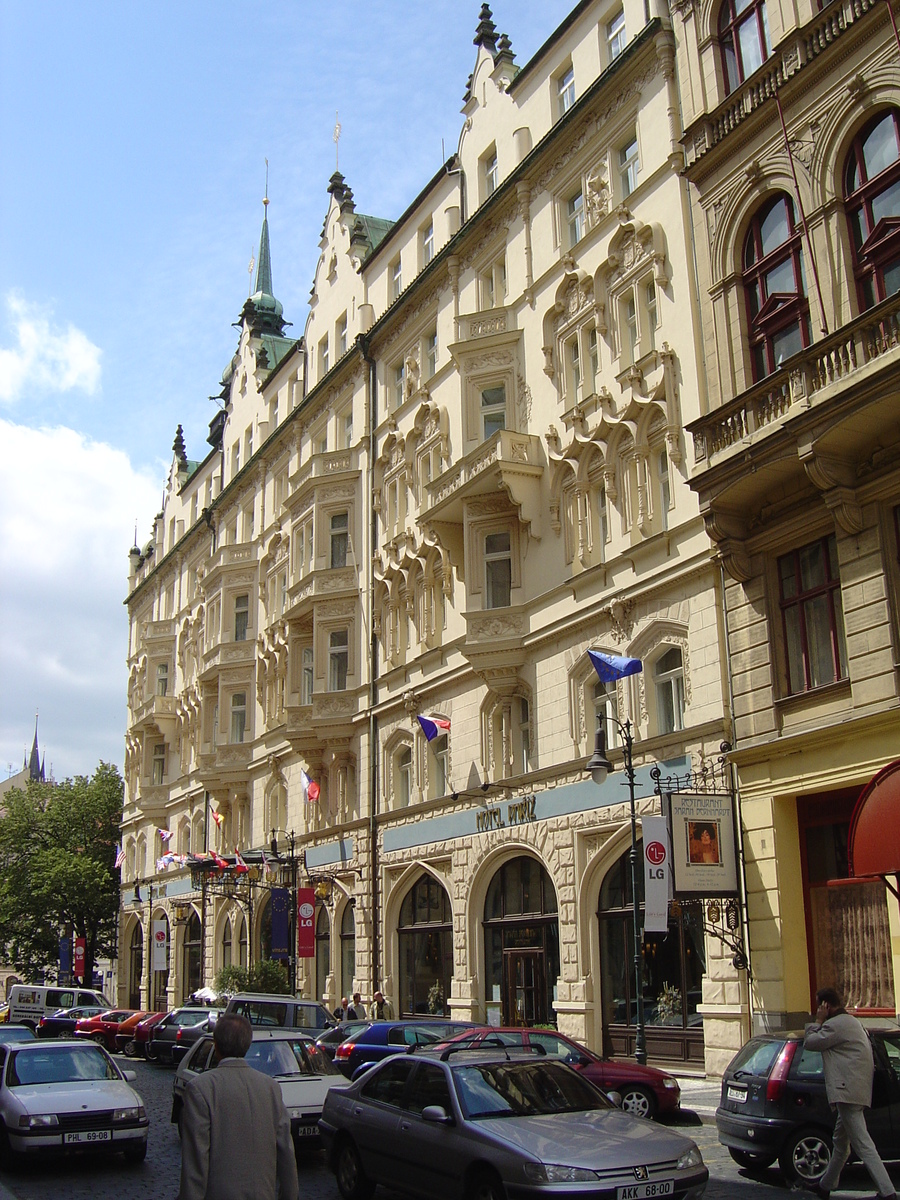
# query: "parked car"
{"type": "Point", "coordinates": [68, 1096]}
{"type": "Point", "coordinates": [28, 1002]}
{"type": "Point", "coordinates": [101, 1028]}
{"type": "Point", "coordinates": [282, 1012]}
{"type": "Point", "coordinates": [62, 1023]}
{"type": "Point", "coordinates": [375, 1040]}
{"type": "Point", "coordinates": [140, 1041]}
{"type": "Point", "coordinates": [17, 1033]}
{"type": "Point", "coordinates": [645, 1091]}
{"type": "Point", "coordinates": [467, 1122]}
{"type": "Point", "coordinates": [173, 1036]}
{"type": "Point", "coordinates": [332, 1038]}
{"type": "Point", "coordinates": [302, 1069]}
{"type": "Point", "coordinates": [773, 1105]}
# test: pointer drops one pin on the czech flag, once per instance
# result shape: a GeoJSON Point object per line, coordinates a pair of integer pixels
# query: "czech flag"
{"type": "Point", "coordinates": [431, 726]}
{"type": "Point", "coordinates": [310, 786]}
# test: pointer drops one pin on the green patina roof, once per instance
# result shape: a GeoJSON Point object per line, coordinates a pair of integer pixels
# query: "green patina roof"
{"type": "Point", "coordinates": [376, 229]}
{"type": "Point", "coordinates": [276, 348]}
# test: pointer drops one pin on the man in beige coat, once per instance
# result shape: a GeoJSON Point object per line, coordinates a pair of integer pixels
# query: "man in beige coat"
{"type": "Point", "coordinates": [849, 1071]}
{"type": "Point", "coordinates": [235, 1131]}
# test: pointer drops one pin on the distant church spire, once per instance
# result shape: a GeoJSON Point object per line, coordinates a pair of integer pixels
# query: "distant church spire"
{"type": "Point", "coordinates": [35, 766]}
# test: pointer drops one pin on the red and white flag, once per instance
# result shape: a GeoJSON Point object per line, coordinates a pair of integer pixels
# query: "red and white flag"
{"type": "Point", "coordinates": [310, 786]}
{"type": "Point", "coordinates": [239, 865]}
{"type": "Point", "coordinates": [217, 817]}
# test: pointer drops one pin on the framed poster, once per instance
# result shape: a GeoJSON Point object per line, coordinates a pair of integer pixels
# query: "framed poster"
{"type": "Point", "coordinates": [704, 855]}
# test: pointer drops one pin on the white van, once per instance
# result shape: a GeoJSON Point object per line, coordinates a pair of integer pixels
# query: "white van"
{"type": "Point", "coordinates": [28, 1002]}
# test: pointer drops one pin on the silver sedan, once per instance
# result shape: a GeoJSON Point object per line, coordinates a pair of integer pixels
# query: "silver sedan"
{"type": "Point", "coordinates": [474, 1126]}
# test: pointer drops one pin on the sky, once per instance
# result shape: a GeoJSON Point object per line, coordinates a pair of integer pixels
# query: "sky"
{"type": "Point", "coordinates": [133, 147]}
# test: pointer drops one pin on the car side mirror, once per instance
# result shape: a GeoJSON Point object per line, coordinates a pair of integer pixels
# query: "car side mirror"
{"type": "Point", "coordinates": [129, 1076]}
{"type": "Point", "coordinates": [614, 1098]}
{"type": "Point", "coordinates": [436, 1113]}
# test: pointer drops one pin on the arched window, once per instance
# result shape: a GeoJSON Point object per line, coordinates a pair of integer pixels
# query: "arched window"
{"type": "Point", "coordinates": [243, 946]}
{"type": "Point", "coordinates": [521, 943]}
{"type": "Point", "coordinates": [323, 950]}
{"type": "Point", "coordinates": [872, 197]}
{"type": "Point", "coordinates": [743, 38]}
{"type": "Point", "coordinates": [425, 935]}
{"type": "Point", "coordinates": [226, 944]}
{"type": "Point", "coordinates": [192, 950]}
{"type": "Point", "coordinates": [775, 287]}
{"type": "Point", "coordinates": [348, 948]}
{"type": "Point", "coordinates": [135, 966]}
{"type": "Point", "coordinates": [673, 965]}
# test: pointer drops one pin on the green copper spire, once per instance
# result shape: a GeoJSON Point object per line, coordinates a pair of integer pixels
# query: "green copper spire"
{"type": "Point", "coordinates": [264, 262]}
{"type": "Point", "coordinates": [262, 312]}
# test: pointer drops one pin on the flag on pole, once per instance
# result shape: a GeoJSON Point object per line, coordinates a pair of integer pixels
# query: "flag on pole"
{"type": "Point", "coordinates": [239, 865]}
{"type": "Point", "coordinates": [431, 726]}
{"type": "Point", "coordinates": [220, 862]}
{"type": "Point", "coordinates": [164, 834]}
{"type": "Point", "coordinates": [610, 667]}
{"type": "Point", "coordinates": [217, 817]}
{"type": "Point", "coordinates": [266, 865]}
{"type": "Point", "coordinates": [310, 786]}
{"type": "Point", "coordinates": [120, 856]}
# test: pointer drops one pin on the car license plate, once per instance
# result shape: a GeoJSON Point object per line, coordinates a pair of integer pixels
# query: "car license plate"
{"type": "Point", "coordinates": [308, 1131]}
{"type": "Point", "coordinates": [637, 1191]}
{"type": "Point", "coordinates": [89, 1135]}
{"type": "Point", "coordinates": [739, 1095]}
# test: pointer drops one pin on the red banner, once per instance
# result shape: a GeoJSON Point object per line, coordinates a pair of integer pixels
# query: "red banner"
{"type": "Point", "coordinates": [306, 923]}
{"type": "Point", "coordinates": [79, 958]}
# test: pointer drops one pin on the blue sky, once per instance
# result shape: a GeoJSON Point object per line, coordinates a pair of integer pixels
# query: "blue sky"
{"type": "Point", "coordinates": [133, 149]}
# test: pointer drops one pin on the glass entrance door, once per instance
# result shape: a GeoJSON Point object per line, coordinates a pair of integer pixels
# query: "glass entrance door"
{"type": "Point", "coordinates": [525, 987]}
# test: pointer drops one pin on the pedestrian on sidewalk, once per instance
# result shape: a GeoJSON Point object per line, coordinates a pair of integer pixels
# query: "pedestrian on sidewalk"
{"type": "Point", "coordinates": [381, 1009]}
{"type": "Point", "coordinates": [235, 1131]}
{"type": "Point", "coordinates": [849, 1071]}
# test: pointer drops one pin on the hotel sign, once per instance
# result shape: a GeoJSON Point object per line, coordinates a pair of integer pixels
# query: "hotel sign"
{"type": "Point", "coordinates": [516, 812]}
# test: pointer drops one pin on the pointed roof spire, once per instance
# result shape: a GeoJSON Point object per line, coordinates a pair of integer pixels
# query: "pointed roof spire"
{"type": "Point", "coordinates": [486, 33]}
{"type": "Point", "coordinates": [178, 447]}
{"type": "Point", "coordinates": [262, 312]}
{"type": "Point", "coordinates": [35, 770]}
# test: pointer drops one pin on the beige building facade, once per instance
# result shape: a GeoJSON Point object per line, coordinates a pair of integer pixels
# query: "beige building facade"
{"type": "Point", "coordinates": [471, 468]}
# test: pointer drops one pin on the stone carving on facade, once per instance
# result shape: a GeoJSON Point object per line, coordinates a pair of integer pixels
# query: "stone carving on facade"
{"type": "Point", "coordinates": [489, 360]}
{"type": "Point", "coordinates": [836, 480]}
{"type": "Point", "coordinates": [619, 613]}
{"type": "Point", "coordinates": [598, 195]}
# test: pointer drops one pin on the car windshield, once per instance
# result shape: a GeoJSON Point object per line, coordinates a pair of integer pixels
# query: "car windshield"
{"type": "Point", "coordinates": [289, 1057]}
{"type": "Point", "coordinates": [62, 1064]}
{"type": "Point", "coordinates": [523, 1089]}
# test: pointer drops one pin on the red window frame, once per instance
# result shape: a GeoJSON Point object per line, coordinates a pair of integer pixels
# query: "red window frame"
{"type": "Point", "coordinates": [875, 244]}
{"type": "Point", "coordinates": [798, 600]}
{"type": "Point", "coordinates": [732, 18]}
{"type": "Point", "coordinates": [768, 315]}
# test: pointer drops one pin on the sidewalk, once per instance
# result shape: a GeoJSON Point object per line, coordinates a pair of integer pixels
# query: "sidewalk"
{"type": "Point", "coordinates": [700, 1096]}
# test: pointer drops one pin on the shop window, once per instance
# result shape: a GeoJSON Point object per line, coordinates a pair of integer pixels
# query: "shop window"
{"type": "Point", "coordinates": [238, 717]}
{"type": "Point", "coordinates": [192, 948]}
{"type": "Point", "coordinates": [775, 287]}
{"type": "Point", "coordinates": [743, 39]}
{"type": "Point", "coordinates": [241, 617]}
{"type": "Point", "coordinates": [615, 35]}
{"type": "Point", "coordinates": [668, 682]}
{"type": "Point", "coordinates": [872, 204]}
{"type": "Point", "coordinates": [497, 569]}
{"type": "Point", "coordinates": [812, 616]}
{"type": "Point", "coordinates": [340, 534]}
{"type": "Point", "coordinates": [425, 937]}
{"type": "Point", "coordinates": [338, 659]}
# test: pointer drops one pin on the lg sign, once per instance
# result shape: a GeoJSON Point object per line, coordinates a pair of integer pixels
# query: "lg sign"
{"type": "Point", "coordinates": [656, 853]}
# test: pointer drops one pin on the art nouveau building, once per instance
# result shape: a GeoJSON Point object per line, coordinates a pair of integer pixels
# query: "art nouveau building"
{"type": "Point", "coordinates": [472, 467]}
{"type": "Point", "coordinates": [793, 152]}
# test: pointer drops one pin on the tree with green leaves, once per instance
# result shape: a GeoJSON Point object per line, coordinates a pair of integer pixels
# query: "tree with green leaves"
{"type": "Point", "coordinates": [57, 870]}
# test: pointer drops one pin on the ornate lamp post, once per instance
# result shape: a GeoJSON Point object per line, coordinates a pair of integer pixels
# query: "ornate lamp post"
{"type": "Point", "coordinates": [292, 959]}
{"type": "Point", "coordinates": [609, 668]}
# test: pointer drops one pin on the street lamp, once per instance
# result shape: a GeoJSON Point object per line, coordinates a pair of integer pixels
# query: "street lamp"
{"type": "Point", "coordinates": [292, 958]}
{"type": "Point", "coordinates": [609, 668]}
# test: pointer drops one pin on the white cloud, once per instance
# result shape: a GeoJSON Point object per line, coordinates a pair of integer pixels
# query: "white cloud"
{"type": "Point", "coordinates": [45, 357]}
{"type": "Point", "coordinates": [67, 511]}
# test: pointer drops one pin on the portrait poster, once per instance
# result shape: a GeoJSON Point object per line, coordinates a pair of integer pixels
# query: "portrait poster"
{"type": "Point", "coordinates": [704, 857]}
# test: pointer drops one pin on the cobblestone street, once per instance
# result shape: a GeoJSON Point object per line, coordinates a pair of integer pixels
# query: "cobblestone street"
{"type": "Point", "coordinates": [157, 1177]}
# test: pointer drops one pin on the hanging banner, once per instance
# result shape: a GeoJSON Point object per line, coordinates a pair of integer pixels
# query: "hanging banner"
{"type": "Point", "coordinates": [306, 923]}
{"type": "Point", "coordinates": [704, 857]}
{"type": "Point", "coordinates": [281, 934]}
{"type": "Point", "coordinates": [78, 970]}
{"type": "Point", "coordinates": [160, 953]}
{"type": "Point", "coordinates": [657, 874]}
{"type": "Point", "coordinates": [65, 958]}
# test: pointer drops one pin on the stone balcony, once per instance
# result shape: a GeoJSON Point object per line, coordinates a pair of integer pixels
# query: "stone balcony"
{"type": "Point", "coordinates": [317, 585]}
{"type": "Point", "coordinates": [227, 653]}
{"type": "Point", "coordinates": [228, 560]}
{"type": "Point", "coordinates": [318, 468]}
{"type": "Point", "coordinates": [224, 763]}
{"type": "Point", "coordinates": [495, 645]}
{"type": "Point", "coordinates": [508, 462]}
{"type": "Point", "coordinates": [157, 712]}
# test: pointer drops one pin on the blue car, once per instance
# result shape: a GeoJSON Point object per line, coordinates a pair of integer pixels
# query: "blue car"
{"type": "Point", "coordinates": [379, 1039]}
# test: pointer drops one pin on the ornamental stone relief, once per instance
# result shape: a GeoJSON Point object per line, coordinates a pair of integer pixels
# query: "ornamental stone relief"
{"type": "Point", "coordinates": [488, 361]}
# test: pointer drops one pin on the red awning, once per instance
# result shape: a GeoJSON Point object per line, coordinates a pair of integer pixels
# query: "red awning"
{"type": "Point", "coordinates": [875, 826]}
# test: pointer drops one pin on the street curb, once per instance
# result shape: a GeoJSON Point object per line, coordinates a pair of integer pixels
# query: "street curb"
{"type": "Point", "coordinates": [5, 1193]}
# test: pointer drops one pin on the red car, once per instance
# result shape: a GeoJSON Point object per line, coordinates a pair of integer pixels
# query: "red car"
{"type": "Point", "coordinates": [645, 1091]}
{"type": "Point", "coordinates": [137, 1041]}
{"type": "Point", "coordinates": [102, 1028]}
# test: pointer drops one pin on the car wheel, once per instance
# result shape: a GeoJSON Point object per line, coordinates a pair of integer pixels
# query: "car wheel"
{"type": "Point", "coordinates": [751, 1161]}
{"type": "Point", "coordinates": [130, 1048]}
{"type": "Point", "coordinates": [352, 1181]}
{"type": "Point", "coordinates": [99, 1038]}
{"type": "Point", "coordinates": [637, 1101]}
{"type": "Point", "coordinates": [136, 1153]}
{"type": "Point", "coordinates": [150, 1053]}
{"type": "Point", "coordinates": [805, 1156]}
{"type": "Point", "coordinates": [485, 1186]}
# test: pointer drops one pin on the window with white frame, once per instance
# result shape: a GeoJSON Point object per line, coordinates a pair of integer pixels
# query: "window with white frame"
{"type": "Point", "coordinates": [341, 332]}
{"type": "Point", "coordinates": [439, 776]}
{"type": "Point", "coordinates": [396, 278]}
{"type": "Point", "coordinates": [493, 410]}
{"type": "Point", "coordinates": [497, 569]}
{"type": "Point", "coordinates": [663, 485]}
{"type": "Point", "coordinates": [615, 34]}
{"type": "Point", "coordinates": [247, 521]}
{"type": "Point", "coordinates": [492, 282]}
{"type": "Point", "coordinates": [573, 366]}
{"type": "Point", "coordinates": [639, 319]}
{"type": "Point", "coordinates": [162, 679]}
{"type": "Point", "coordinates": [307, 675]}
{"type": "Point", "coordinates": [303, 545]}
{"type": "Point", "coordinates": [575, 218]}
{"type": "Point", "coordinates": [490, 172]}
{"type": "Point", "coordinates": [241, 617]}
{"type": "Point", "coordinates": [235, 458]}
{"type": "Point", "coordinates": [323, 356]}
{"type": "Point", "coordinates": [340, 535]}
{"type": "Point", "coordinates": [523, 738]}
{"type": "Point", "coordinates": [273, 414]}
{"type": "Point", "coordinates": [404, 776]}
{"type": "Point", "coordinates": [248, 443]}
{"type": "Point", "coordinates": [668, 682]}
{"type": "Point", "coordinates": [602, 518]}
{"type": "Point", "coordinates": [629, 165]}
{"type": "Point", "coordinates": [427, 243]}
{"type": "Point", "coordinates": [238, 717]}
{"type": "Point", "coordinates": [605, 700]}
{"type": "Point", "coordinates": [593, 359]}
{"type": "Point", "coordinates": [398, 379]}
{"type": "Point", "coordinates": [347, 427]}
{"type": "Point", "coordinates": [565, 91]}
{"type": "Point", "coordinates": [158, 765]}
{"type": "Point", "coordinates": [338, 659]}
{"type": "Point", "coordinates": [320, 441]}
{"type": "Point", "coordinates": [431, 353]}
{"type": "Point", "coordinates": [431, 465]}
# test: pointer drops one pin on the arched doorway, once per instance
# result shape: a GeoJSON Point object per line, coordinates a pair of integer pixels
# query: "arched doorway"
{"type": "Point", "coordinates": [135, 966]}
{"type": "Point", "coordinates": [425, 935]}
{"type": "Point", "coordinates": [673, 967]}
{"type": "Point", "coordinates": [348, 948]}
{"type": "Point", "coordinates": [160, 975]}
{"type": "Point", "coordinates": [323, 951]}
{"type": "Point", "coordinates": [521, 943]}
{"type": "Point", "coordinates": [243, 943]}
{"type": "Point", "coordinates": [191, 956]}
